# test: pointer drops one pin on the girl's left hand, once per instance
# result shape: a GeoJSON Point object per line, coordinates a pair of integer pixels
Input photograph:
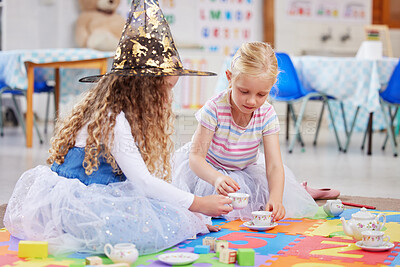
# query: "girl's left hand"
{"type": "Point", "coordinates": [277, 208]}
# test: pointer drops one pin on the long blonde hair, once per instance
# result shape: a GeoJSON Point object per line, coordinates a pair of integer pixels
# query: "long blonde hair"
{"type": "Point", "coordinates": [255, 59]}
{"type": "Point", "coordinates": [145, 102]}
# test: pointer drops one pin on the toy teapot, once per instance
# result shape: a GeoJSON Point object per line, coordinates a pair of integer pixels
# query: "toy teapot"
{"type": "Point", "coordinates": [362, 221]}
{"type": "Point", "coordinates": [123, 252]}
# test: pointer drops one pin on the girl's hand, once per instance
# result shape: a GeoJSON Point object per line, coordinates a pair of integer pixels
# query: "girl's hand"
{"type": "Point", "coordinates": [277, 208]}
{"type": "Point", "coordinates": [225, 184]}
{"type": "Point", "coordinates": [212, 228]}
{"type": "Point", "coordinates": [213, 205]}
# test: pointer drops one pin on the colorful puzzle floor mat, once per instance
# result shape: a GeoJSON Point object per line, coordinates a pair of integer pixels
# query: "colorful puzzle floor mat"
{"type": "Point", "coordinates": [318, 241]}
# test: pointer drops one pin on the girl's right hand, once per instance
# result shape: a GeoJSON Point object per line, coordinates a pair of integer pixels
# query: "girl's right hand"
{"type": "Point", "coordinates": [225, 184]}
{"type": "Point", "coordinates": [213, 205]}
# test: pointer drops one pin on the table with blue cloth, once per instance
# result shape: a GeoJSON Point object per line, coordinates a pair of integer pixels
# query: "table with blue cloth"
{"type": "Point", "coordinates": [354, 82]}
{"type": "Point", "coordinates": [20, 68]}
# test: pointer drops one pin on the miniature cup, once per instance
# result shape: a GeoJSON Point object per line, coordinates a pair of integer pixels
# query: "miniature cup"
{"type": "Point", "coordinates": [333, 207]}
{"type": "Point", "coordinates": [374, 238]}
{"type": "Point", "coordinates": [122, 252]}
{"type": "Point", "coordinates": [239, 200]}
{"type": "Point", "coordinates": [262, 218]}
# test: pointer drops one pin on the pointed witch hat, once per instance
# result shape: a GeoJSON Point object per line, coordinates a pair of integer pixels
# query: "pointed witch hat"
{"type": "Point", "coordinates": [146, 47]}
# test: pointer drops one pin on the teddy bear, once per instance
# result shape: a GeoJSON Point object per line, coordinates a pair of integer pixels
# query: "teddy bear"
{"type": "Point", "coordinates": [99, 26]}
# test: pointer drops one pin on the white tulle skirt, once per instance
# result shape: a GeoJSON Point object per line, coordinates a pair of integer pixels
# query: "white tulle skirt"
{"type": "Point", "coordinates": [252, 180]}
{"type": "Point", "coordinates": [74, 217]}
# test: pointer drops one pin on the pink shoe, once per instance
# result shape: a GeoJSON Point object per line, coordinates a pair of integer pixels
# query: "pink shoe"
{"type": "Point", "coordinates": [322, 193]}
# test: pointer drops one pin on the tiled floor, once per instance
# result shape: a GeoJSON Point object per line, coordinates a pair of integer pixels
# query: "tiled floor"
{"type": "Point", "coordinates": [354, 173]}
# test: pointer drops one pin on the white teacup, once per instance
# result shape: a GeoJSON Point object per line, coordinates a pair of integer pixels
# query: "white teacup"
{"type": "Point", "coordinates": [333, 207]}
{"type": "Point", "coordinates": [374, 238]}
{"type": "Point", "coordinates": [122, 252]}
{"type": "Point", "coordinates": [239, 200]}
{"type": "Point", "coordinates": [262, 218]}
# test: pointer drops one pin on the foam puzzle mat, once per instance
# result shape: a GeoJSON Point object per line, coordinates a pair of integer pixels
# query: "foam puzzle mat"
{"type": "Point", "coordinates": [318, 241]}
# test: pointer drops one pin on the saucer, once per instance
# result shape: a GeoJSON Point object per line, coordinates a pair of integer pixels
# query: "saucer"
{"type": "Point", "coordinates": [252, 226]}
{"type": "Point", "coordinates": [178, 258]}
{"type": "Point", "coordinates": [384, 247]}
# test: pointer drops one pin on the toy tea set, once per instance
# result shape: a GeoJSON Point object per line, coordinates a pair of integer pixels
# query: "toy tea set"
{"type": "Point", "coordinates": [363, 226]}
{"type": "Point", "coordinates": [262, 220]}
{"type": "Point", "coordinates": [366, 228]}
{"type": "Point", "coordinates": [122, 252]}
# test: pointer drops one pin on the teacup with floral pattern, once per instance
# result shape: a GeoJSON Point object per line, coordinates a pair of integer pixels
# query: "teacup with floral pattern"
{"type": "Point", "coordinates": [239, 200]}
{"type": "Point", "coordinates": [374, 238]}
{"type": "Point", "coordinates": [262, 218]}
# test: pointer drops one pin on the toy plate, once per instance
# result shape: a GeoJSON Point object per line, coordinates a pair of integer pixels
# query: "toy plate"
{"type": "Point", "coordinates": [178, 258]}
{"type": "Point", "coordinates": [384, 247]}
{"type": "Point", "coordinates": [252, 226]}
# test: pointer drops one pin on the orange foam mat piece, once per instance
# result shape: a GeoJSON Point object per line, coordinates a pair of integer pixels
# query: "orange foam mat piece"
{"type": "Point", "coordinates": [4, 235]}
{"type": "Point", "coordinates": [4, 250]}
{"type": "Point", "coordinates": [296, 226]}
{"type": "Point", "coordinates": [234, 225]}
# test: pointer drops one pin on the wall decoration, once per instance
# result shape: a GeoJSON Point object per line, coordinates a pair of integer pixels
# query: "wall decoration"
{"type": "Point", "coordinates": [225, 24]}
{"type": "Point", "coordinates": [355, 10]}
{"type": "Point", "coordinates": [327, 9]}
{"type": "Point", "coordinates": [300, 8]}
{"type": "Point", "coordinates": [335, 10]}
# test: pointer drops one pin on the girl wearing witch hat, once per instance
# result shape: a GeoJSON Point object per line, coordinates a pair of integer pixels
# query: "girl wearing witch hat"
{"type": "Point", "coordinates": [110, 172]}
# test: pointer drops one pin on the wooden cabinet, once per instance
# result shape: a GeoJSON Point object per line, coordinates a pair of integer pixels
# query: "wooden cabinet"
{"type": "Point", "coordinates": [386, 12]}
{"type": "Point", "coordinates": [269, 22]}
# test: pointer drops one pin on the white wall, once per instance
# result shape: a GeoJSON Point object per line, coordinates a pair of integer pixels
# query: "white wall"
{"type": "Point", "coordinates": [33, 24]}
{"type": "Point", "coordinates": [299, 37]}
{"type": "Point", "coordinates": [395, 38]}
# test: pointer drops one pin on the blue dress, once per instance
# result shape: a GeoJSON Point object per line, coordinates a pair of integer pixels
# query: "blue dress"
{"type": "Point", "coordinates": [76, 212]}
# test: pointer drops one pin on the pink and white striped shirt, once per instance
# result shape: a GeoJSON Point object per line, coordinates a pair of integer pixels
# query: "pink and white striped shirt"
{"type": "Point", "coordinates": [234, 147]}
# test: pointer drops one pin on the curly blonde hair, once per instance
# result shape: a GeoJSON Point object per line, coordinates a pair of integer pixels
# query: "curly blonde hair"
{"type": "Point", "coordinates": [146, 104]}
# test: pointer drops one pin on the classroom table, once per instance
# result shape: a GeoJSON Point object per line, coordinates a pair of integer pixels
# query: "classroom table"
{"type": "Point", "coordinates": [17, 68]}
{"type": "Point", "coordinates": [354, 82]}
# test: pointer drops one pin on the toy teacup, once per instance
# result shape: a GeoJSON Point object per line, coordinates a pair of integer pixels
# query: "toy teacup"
{"type": "Point", "coordinates": [122, 252]}
{"type": "Point", "coordinates": [239, 200]}
{"type": "Point", "coordinates": [262, 218]}
{"type": "Point", "coordinates": [374, 238]}
{"type": "Point", "coordinates": [333, 207]}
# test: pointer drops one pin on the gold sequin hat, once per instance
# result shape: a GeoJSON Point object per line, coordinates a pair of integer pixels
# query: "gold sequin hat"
{"type": "Point", "coordinates": [146, 47]}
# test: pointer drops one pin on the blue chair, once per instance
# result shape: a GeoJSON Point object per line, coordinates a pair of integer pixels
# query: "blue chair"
{"type": "Point", "coordinates": [289, 89]}
{"type": "Point", "coordinates": [39, 87]}
{"type": "Point", "coordinates": [390, 97]}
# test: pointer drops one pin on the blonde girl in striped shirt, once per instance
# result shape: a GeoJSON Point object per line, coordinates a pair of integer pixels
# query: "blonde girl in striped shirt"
{"type": "Point", "coordinates": [224, 155]}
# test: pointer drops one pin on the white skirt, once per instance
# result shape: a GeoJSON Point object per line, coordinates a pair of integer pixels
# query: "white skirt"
{"type": "Point", "coordinates": [252, 180]}
{"type": "Point", "coordinates": [74, 217]}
